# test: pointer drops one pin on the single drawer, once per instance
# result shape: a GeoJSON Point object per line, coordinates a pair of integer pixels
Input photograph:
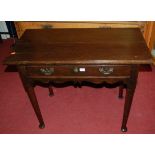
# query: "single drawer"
{"type": "Point", "coordinates": [78, 70]}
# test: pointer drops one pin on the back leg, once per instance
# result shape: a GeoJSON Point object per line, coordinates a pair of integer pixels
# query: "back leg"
{"type": "Point", "coordinates": [120, 95]}
{"type": "Point", "coordinates": [51, 93]}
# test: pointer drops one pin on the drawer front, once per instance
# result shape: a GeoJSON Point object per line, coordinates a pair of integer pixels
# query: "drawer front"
{"type": "Point", "coordinates": [78, 70]}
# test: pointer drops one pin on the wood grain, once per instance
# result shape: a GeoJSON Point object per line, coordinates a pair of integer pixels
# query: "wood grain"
{"type": "Point", "coordinates": [22, 26]}
{"type": "Point", "coordinates": [68, 46]}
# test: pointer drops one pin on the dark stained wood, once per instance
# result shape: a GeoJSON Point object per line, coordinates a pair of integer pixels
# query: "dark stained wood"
{"type": "Point", "coordinates": [81, 46]}
{"type": "Point", "coordinates": [28, 85]}
{"type": "Point", "coordinates": [131, 85]}
{"type": "Point", "coordinates": [51, 93]}
{"type": "Point", "coordinates": [70, 70]}
{"type": "Point", "coordinates": [120, 95]}
{"type": "Point", "coordinates": [80, 55]}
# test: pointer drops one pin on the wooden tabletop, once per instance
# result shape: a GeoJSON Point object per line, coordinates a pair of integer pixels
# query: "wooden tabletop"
{"type": "Point", "coordinates": [81, 46]}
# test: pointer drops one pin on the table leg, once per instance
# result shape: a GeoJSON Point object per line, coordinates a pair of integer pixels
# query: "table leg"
{"type": "Point", "coordinates": [51, 93]}
{"type": "Point", "coordinates": [34, 102]}
{"type": "Point", "coordinates": [120, 95]}
{"type": "Point", "coordinates": [31, 94]}
{"type": "Point", "coordinates": [131, 85]}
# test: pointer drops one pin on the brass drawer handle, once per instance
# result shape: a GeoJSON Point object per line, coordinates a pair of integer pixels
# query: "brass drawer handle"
{"type": "Point", "coordinates": [47, 71]}
{"type": "Point", "coordinates": [106, 70]}
{"type": "Point", "coordinates": [76, 69]}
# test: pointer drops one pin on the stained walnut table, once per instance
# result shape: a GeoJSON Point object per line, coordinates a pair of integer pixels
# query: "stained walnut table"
{"type": "Point", "coordinates": [79, 55]}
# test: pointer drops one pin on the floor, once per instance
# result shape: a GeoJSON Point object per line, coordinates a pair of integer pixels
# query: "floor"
{"type": "Point", "coordinates": [74, 110]}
